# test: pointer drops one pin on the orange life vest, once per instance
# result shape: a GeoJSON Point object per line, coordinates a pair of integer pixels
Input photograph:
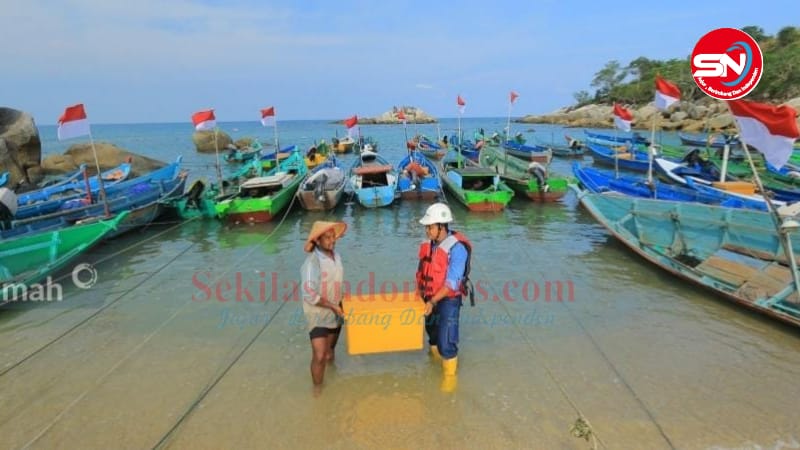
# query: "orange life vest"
{"type": "Point", "coordinates": [433, 263]}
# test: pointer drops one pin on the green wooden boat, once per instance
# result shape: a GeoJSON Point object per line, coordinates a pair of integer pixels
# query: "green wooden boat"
{"type": "Point", "coordinates": [477, 188]}
{"type": "Point", "coordinates": [261, 198]}
{"type": "Point", "coordinates": [27, 260]}
{"type": "Point", "coordinates": [736, 253]}
{"type": "Point", "coordinates": [514, 171]}
{"type": "Point", "coordinates": [202, 197]}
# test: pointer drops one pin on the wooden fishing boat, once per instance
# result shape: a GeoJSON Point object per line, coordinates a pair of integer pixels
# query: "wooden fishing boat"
{"type": "Point", "coordinates": [72, 186]}
{"type": "Point", "coordinates": [432, 150]}
{"type": "Point", "coordinates": [373, 180]}
{"type": "Point", "coordinates": [323, 187]}
{"type": "Point", "coordinates": [28, 260]}
{"type": "Point", "coordinates": [535, 153]}
{"type": "Point", "coordinates": [344, 145]}
{"type": "Point", "coordinates": [144, 195]}
{"type": "Point", "coordinates": [516, 174]}
{"type": "Point", "coordinates": [633, 160]}
{"type": "Point", "coordinates": [708, 140]}
{"type": "Point", "coordinates": [419, 178]}
{"type": "Point", "coordinates": [736, 253]}
{"type": "Point", "coordinates": [478, 188]}
{"type": "Point", "coordinates": [261, 198]}
{"type": "Point", "coordinates": [599, 181]}
{"type": "Point", "coordinates": [634, 138]}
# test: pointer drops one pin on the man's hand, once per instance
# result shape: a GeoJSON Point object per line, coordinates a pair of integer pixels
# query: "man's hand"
{"type": "Point", "coordinates": [428, 308]}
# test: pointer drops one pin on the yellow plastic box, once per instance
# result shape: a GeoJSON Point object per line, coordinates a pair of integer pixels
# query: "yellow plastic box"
{"type": "Point", "coordinates": [378, 323]}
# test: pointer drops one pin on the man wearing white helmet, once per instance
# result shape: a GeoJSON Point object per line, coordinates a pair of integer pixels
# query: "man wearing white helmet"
{"type": "Point", "coordinates": [442, 278]}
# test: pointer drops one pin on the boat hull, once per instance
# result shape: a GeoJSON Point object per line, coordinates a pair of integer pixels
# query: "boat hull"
{"type": "Point", "coordinates": [310, 202]}
{"type": "Point", "coordinates": [736, 254]}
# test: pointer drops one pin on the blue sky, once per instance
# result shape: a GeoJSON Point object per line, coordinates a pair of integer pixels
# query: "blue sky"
{"type": "Point", "coordinates": [161, 60]}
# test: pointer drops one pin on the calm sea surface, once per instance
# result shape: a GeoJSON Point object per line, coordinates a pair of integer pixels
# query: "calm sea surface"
{"type": "Point", "coordinates": [160, 353]}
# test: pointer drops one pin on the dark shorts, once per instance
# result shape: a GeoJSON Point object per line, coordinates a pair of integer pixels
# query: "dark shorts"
{"type": "Point", "coordinates": [318, 332]}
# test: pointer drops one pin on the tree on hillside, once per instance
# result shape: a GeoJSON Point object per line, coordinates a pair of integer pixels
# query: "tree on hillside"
{"type": "Point", "coordinates": [582, 97]}
{"type": "Point", "coordinates": [788, 36]}
{"type": "Point", "coordinates": [608, 77]}
{"type": "Point", "coordinates": [755, 32]}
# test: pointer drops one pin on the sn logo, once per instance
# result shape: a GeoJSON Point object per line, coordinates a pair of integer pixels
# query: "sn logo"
{"type": "Point", "coordinates": [717, 64]}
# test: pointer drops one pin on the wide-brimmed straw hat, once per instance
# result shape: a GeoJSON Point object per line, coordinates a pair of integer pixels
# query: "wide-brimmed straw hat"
{"type": "Point", "coordinates": [319, 228]}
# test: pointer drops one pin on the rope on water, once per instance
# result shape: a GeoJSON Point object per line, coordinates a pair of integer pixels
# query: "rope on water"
{"type": "Point", "coordinates": [150, 336]}
{"type": "Point", "coordinates": [163, 442]}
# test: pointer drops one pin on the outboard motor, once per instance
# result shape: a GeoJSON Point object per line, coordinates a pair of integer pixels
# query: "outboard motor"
{"type": "Point", "coordinates": [319, 187]}
{"type": "Point", "coordinates": [194, 194]}
{"type": "Point", "coordinates": [8, 207]}
{"type": "Point", "coordinates": [540, 173]}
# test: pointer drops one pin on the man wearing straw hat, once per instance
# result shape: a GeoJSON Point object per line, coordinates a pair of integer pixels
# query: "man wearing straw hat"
{"type": "Point", "coordinates": [322, 275]}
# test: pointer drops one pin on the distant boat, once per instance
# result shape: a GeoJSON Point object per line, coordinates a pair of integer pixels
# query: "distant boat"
{"type": "Point", "coordinates": [537, 153]}
{"type": "Point", "coordinates": [344, 145]}
{"type": "Point", "coordinates": [431, 150]}
{"type": "Point", "coordinates": [632, 159]}
{"type": "Point", "coordinates": [736, 253]}
{"type": "Point", "coordinates": [634, 138]}
{"type": "Point", "coordinates": [374, 180]}
{"type": "Point", "coordinates": [708, 140]}
{"type": "Point", "coordinates": [323, 187]}
{"type": "Point", "coordinates": [419, 178]}
{"type": "Point", "coordinates": [31, 259]}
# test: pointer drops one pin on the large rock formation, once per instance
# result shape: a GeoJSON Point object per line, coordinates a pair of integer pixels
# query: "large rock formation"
{"type": "Point", "coordinates": [412, 113]}
{"type": "Point", "coordinates": [204, 141]}
{"type": "Point", "coordinates": [108, 155]}
{"type": "Point", "coordinates": [20, 147]}
{"type": "Point", "coordinates": [686, 116]}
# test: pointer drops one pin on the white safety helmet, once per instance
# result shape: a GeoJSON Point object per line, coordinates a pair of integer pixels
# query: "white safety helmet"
{"type": "Point", "coordinates": [437, 213]}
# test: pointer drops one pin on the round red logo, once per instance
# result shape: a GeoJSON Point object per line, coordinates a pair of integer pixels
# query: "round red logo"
{"type": "Point", "coordinates": [727, 63]}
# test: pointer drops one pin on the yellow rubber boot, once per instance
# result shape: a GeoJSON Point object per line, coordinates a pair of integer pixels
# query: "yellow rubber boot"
{"type": "Point", "coordinates": [449, 378]}
{"type": "Point", "coordinates": [450, 366]}
{"type": "Point", "coordinates": [435, 353]}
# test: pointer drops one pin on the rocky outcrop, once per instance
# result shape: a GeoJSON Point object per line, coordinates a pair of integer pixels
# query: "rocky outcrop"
{"type": "Point", "coordinates": [685, 116]}
{"type": "Point", "coordinates": [108, 155]}
{"type": "Point", "coordinates": [204, 141]}
{"type": "Point", "coordinates": [412, 113]}
{"type": "Point", "coordinates": [20, 147]}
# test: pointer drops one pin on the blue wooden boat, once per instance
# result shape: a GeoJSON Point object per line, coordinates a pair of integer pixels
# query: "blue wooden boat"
{"type": "Point", "coordinates": [467, 149]}
{"type": "Point", "coordinates": [3, 179]}
{"type": "Point", "coordinates": [705, 140]}
{"type": "Point", "coordinates": [535, 152]}
{"type": "Point", "coordinates": [635, 138]}
{"type": "Point", "coordinates": [145, 195]}
{"type": "Point", "coordinates": [598, 181]}
{"type": "Point", "coordinates": [77, 198]}
{"type": "Point", "coordinates": [634, 160]}
{"type": "Point", "coordinates": [373, 180]}
{"type": "Point", "coordinates": [75, 184]}
{"type": "Point", "coordinates": [736, 253]}
{"type": "Point", "coordinates": [419, 178]}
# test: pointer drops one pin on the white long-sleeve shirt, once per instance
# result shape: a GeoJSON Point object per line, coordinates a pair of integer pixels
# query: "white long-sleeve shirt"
{"type": "Point", "coordinates": [322, 276]}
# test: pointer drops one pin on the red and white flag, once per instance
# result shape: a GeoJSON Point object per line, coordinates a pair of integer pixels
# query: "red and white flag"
{"type": "Point", "coordinates": [461, 104]}
{"type": "Point", "coordinates": [771, 129]}
{"type": "Point", "coordinates": [268, 116]}
{"type": "Point", "coordinates": [351, 123]}
{"type": "Point", "coordinates": [401, 116]}
{"type": "Point", "coordinates": [73, 123]}
{"type": "Point", "coordinates": [513, 96]}
{"type": "Point", "coordinates": [622, 118]}
{"type": "Point", "coordinates": [204, 120]}
{"type": "Point", "coordinates": [667, 93]}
